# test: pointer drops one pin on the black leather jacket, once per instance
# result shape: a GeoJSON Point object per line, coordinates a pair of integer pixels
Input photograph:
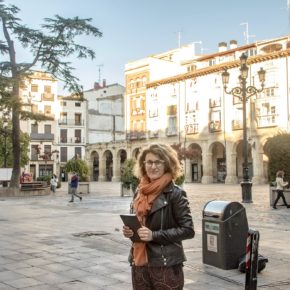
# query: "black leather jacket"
{"type": "Point", "coordinates": [171, 222]}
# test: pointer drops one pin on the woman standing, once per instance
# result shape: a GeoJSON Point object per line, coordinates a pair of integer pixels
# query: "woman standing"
{"type": "Point", "coordinates": [279, 188]}
{"type": "Point", "coordinates": [53, 183]}
{"type": "Point", "coordinates": [163, 210]}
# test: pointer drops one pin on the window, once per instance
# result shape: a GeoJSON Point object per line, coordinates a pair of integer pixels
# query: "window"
{"type": "Point", "coordinates": [215, 121]}
{"type": "Point", "coordinates": [34, 88]}
{"type": "Point", "coordinates": [172, 110]}
{"type": "Point", "coordinates": [78, 118]}
{"type": "Point", "coordinates": [47, 150]}
{"type": "Point", "coordinates": [78, 152]}
{"type": "Point", "coordinates": [47, 110]}
{"type": "Point", "coordinates": [63, 136]}
{"type": "Point", "coordinates": [47, 89]}
{"type": "Point", "coordinates": [47, 129]}
{"type": "Point", "coordinates": [63, 103]}
{"type": "Point", "coordinates": [172, 126]}
{"type": "Point", "coordinates": [63, 118]}
{"type": "Point", "coordinates": [78, 136]}
{"type": "Point", "coordinates": [45, 170]}
{"type": "Point", "coordinates": [34, 152]}
{"type": "Point", "coordinates": [138, 106]}
{"type": "Point", "coordinates": [63, 154]}
{"type": "Point", "coordinates": [34, 128]}
{"type": "Point", "coordinates": [77, 104]}
{"type": "Point", "coordinates": [34, 109]}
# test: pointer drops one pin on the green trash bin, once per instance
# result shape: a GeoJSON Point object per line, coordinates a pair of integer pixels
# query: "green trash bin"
{"type": "Point", "coordinates": [224, 233]}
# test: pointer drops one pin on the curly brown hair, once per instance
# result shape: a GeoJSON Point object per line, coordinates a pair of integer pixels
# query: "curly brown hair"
{"type": "Point", "coordinates": [165, 153]}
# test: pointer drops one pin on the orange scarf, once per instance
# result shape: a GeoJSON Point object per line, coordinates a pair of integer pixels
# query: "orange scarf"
{"type": "Point", "coordinates": [147, 193]}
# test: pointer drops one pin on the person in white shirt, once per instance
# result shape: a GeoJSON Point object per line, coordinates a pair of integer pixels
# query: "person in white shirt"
{"type": "Point", "coordinates": [280, 184]}
{"type": "Point", "coordinates": [53, 183]}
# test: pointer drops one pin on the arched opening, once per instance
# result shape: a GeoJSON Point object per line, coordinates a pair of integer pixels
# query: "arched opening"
{"type": "Point", "coordinates": [95, 166]}
{"type": "Point", "coordinates": [219, 169]}
{"type": "Point", "coordinates": [194, 154]}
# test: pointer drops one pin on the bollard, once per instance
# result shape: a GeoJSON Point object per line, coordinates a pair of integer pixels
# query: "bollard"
{"type": "Point", "coordinates": [252, 259]}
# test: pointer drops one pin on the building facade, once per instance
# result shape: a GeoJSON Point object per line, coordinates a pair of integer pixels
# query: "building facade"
{"type": "Point", "coordinates": [181, 100]}
{"type": "Point", "coordinates": [39, 95]}
{"type": "Point", "coordinates": [105, 124]}
{"type": "Point", "coordinates": [71, 137]}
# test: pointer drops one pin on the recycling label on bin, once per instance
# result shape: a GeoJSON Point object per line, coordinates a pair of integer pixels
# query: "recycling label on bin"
{"type": "Point", "coordinates": [212, 227]}
{"type": "Point", "coordinates": [212, 243]}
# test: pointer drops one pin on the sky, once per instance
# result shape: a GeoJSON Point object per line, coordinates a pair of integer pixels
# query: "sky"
{"type": "Point", "coordinates": [133, 29]}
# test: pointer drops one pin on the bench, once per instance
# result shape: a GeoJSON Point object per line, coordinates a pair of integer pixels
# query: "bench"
{"type": "Point", "coordinates": [34, 186]}
{"type": "Point", "coordinates": [273, 195]}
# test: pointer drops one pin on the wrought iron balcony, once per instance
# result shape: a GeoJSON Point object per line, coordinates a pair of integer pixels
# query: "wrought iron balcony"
{"type": "Point", "coordinates": [191, 128]}
{"type": "Point", "coordinates": [42, 136]}
{"type": "Point", "coordinates": [171, 131]}
{"type": "Point", "coordinates": [136, 135]}
{"type": "Point", "coordinates": [214, 126]}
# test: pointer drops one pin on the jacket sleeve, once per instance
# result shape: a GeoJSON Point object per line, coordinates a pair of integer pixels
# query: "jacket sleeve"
{"type": "Point", "coordinates": [182, 219]}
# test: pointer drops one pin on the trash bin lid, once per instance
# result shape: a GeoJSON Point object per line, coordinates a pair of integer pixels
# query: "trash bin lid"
{"type": "Point", "coordinates": [221, 209]}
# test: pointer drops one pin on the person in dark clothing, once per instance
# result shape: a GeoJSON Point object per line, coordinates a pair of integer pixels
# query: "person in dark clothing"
{"type": "Point", "coordinates": [74, 182]}
{"type": "Point", "coordinates": [280, 184]}
{"type": "Point", "coordinates": [163, 211]}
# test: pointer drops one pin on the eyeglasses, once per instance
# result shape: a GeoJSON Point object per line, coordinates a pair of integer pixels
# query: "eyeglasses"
{"type": "Point", "coordinates": [158, 163]}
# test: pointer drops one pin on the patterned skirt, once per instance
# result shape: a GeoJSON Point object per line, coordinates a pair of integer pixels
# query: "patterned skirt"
{"type": "Point", "coordinates": [158, 278]}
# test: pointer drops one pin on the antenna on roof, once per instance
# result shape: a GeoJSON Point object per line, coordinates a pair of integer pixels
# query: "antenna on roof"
{"type": "Point", "coordinates": [179, 37]}
{"type": "Point", "coordinates": [99, 69]}
{"type": "Point", "coordinates": [246, 33]}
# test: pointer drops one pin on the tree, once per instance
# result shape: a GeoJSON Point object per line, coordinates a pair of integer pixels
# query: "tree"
{"type": "Point", "coordinates": [277, 148]}
{"type": "Point", "coordinates": [24, 142]}
{"type": "Point", "coordinates": [79, 166]}
{"type": "Point", "coordinates": [50, 48]}
{"type": "Point", "coordinates": [127, 176]}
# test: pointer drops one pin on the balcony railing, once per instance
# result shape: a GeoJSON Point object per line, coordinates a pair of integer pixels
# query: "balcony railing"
{"type": "Point", "coordinates": [71, 122]}
{"type": "Point", "coordinates": [267, 120]}
{"type": "Point", "coordinates": [214, 126]}
{"type": "Point", "coordinates": [213, 103]}
{"type": "Point", "coordinates": [191, 128]}
{"type": "Point", "coordinates": [153, 134]}
{"type": "Point", "coordinates": [171, 131]}
{"type": "Point", "coordinates": [237, 124]}
{"type": "Point", "coordinates": [136, 135]}
{"type": "Point", "coordinates": [47, 97]}
{"type": "Point", "coordinates": [74, 140]}
{"type": "Point", "coordinates": [41, 136]}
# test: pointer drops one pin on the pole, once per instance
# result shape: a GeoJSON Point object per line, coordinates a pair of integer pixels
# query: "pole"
{"type": "Point", "coordinates": [252, 259]}
{"type": "Point", "coordinates": [246, 184]}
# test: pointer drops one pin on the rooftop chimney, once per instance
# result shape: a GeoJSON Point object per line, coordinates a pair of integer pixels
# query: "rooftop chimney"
{"type": "Point", "coordinates": [104, 83]}
{"type": "Point", "coordinates": [233, 44]}
{"type": "Point", "coordinates": [222, 46]}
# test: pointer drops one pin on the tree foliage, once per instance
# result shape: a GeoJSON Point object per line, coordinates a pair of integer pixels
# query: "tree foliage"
{"type": "Point", "coordinates": [277, 148]}
{"type": "Point", "coordinates": [127, 175]}
{"type": "Point", "coordinates": [24, 143]}
{"type": "Point", "coordinates": [79, 166]}
{"type": "Point", "coordinates": [50, 48]}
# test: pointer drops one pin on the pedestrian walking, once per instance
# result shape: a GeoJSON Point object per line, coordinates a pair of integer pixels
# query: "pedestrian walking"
{"type": "Point", "coordinates": [74, 182]}
{"type": "Point", "coordinates": [53, 183]}
{"type": "Point", "coordinates": [163, 210]}
{"type": "Point", "coordinates": [280, 184]}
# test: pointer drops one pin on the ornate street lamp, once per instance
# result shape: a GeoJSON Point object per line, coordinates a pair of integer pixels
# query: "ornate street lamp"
{"type": "Point", "coordinates": [243, 93]}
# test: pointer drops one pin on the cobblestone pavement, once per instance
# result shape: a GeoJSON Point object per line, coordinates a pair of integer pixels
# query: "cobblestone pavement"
{"type": "Point", "coordinates": [48, 243]}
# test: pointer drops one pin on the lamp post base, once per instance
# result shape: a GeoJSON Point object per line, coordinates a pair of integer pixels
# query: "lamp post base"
{"type": "Point", "coordinates": [246, 191]}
